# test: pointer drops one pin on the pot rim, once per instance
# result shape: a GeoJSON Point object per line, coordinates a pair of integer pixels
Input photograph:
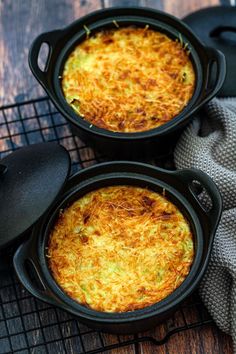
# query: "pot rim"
{"type": "Point", "coordinates": [97, 25]}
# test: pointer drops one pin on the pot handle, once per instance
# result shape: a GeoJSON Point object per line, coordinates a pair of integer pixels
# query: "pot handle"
{"type": "Point", "coordinates": [51, 39]}
{"type": "Point", "coordinates": [20, 258]}
{"type": "Point", "coordinates": [216, 32]}
{"type": "Point", "coordinates": [214, 56]}
{"type": "Point", "coordinates": [212, 216]}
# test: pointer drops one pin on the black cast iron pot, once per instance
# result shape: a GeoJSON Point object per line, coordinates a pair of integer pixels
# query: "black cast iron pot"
{"type": "Point", "coordinates": [179, 188]}
{"type": "Point", "coordinates": [155, 141]}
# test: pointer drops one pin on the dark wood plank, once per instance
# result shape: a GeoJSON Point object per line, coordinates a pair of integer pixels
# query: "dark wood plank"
{"type": "Point", "coordinates": [20, 23]}
{"type": "Point", "coordinates": [201, 340]}
{"type": "Point", "coordinates": [158, 4]}
{"type": "Point", "coordinates": [195, 341]}
{"type": "Point", "coordinates": [182, 8]}
{"type": "Point", "coordinates": [178, 8]}
{"type": "Point", "coordinates": [112, 3]}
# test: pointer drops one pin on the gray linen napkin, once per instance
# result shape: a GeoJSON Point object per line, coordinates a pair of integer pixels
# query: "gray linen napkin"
{"type": "Point", "coordinates": [209, 143]}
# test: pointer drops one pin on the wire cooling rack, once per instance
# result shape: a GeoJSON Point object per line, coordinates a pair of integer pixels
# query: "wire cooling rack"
{"type": "Point", "coordinates": [31, 326]}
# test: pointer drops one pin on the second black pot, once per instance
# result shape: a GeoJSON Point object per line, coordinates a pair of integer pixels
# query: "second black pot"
{"type": "Point", "coordinates": [179, 188]}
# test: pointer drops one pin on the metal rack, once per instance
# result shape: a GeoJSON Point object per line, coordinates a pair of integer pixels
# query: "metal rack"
{"type": "Point", "coordinates": [31, 326]}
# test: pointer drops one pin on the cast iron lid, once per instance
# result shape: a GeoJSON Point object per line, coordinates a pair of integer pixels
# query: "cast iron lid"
{"type": "Point", "coordinates": [30, 180]}
{"type": "Point", "coordinates": [216, 27]}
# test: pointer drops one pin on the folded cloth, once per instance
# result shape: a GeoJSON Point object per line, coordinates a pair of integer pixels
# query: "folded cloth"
{"type": "Point", "coordinates": [209, 144]}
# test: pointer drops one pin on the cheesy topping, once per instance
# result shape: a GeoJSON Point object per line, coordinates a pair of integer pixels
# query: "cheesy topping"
{"type": "Point", "coordinates": [128, 79]}
{"type": "Point", "coordinates": [120, 248]}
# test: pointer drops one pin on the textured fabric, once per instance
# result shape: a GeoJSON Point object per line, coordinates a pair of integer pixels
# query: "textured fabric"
{"type": "Point", "coordinates": [209, 143]}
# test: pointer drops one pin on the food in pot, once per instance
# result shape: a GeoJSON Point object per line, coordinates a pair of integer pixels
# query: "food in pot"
{"type": "Point", "coordinates": [120, 248]}
{"type": "Point", "coordinates": [128, 79]}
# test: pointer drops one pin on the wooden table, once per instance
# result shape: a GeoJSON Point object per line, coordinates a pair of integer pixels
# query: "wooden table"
{"type": "Point", "coordinates": [21, 22]}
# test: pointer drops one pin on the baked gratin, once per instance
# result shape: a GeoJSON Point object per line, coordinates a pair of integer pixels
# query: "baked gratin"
{"type": "Point", "coordinates": [128, 79]}
{"type": "Point", "coordinates": [120, 248]}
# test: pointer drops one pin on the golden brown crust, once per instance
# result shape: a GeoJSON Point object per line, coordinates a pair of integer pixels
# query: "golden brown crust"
{"type": "Point", "coordinates": [128, 79]}
{"type": "Point", "coordinates": [120, 248]}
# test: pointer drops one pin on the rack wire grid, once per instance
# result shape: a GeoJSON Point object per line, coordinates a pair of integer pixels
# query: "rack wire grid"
{"type": "Point", "coordinates": [31, 326]}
